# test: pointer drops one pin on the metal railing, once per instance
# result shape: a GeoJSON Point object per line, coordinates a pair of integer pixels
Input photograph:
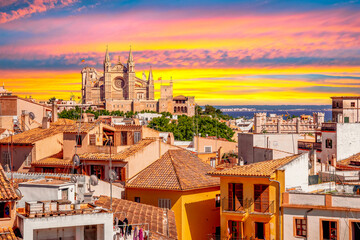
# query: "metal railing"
{"type": "Point", "coordinates": [263, 206]}
{"type": "Point", "coordinates": [218, 237]}
{"type": "Point", "coordinates": [248, 205]}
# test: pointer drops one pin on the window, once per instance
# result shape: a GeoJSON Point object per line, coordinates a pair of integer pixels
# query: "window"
{"type": "Point", "coordinates": [261, 198]}
{"type": "Point", "coordinates": [355, 230]}
{"type": "Point", "coordinates": [137, 199]}
{"type": "Point", "coordinates": [5, 209]}
{"type": "Point", "coordinates": [346, 119]}
{"type": "Point", "coordinates": [27, 162]}
{"type": "Point", "coordinates": [165, 203]}
{"type": "Point", "coordinates": [352, 104]}
{"type": "Point", "coordinates": [92, 138]}
{"type": "Point", "coordinates": [208, 149]}
{"type": "Point", "coordinates": [300, 227]}
{"type": "Point", "coordinates": [329, 230]}
{"type": "Point", "coordinates": [137, 137]}
{"type": "Point", "coordinates": [259, 230]}
{"type": "Point", "coordinates": [65, 194]}
{"type": "Point", "coordinates": [123, 138]}
{"type": "Point", "coordinates": [217, 200]}
{"type": "Point", "coordinates": [235, 201]}
{"type": "Point", "coordinates": [78, 140]}
{"type": "Point", "coordinates": [235, 230]}
{"type": "Point", "coordinates": [328, 143]}
{"type": "Point", "coordinates": [213, 162]}
{"type": "Point", "coordinates": [6, 158]}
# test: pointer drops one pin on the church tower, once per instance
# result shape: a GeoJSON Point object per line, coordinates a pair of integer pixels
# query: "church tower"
{"type": "Point", "coordinates": [107, 75]}
{"type": "Point", "coordinates": [131, 76]}
{"type": "Point", "coordinates": [150, 87]}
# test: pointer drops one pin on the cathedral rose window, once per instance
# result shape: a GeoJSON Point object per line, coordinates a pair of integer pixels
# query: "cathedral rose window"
{"type": "Point", "coordinates": [119, 83]}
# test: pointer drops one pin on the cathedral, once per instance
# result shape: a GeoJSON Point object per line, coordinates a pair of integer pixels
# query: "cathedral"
{"type": "Point", "coordinates": [118, 88]}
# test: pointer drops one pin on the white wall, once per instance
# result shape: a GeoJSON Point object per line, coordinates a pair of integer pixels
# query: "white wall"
{"type": "Point", "coordinates": [103, 220]}
{"type": "Point", "coordinates": [313, 219]}
{"type": "Point", "coordinates": [348, 140]}
{"type": "Point", "coordinates": [37, 192]}
{"type": "Point", "coordinates": [297, 172]}
{"type": "Point", "coordinates": [283, 142]}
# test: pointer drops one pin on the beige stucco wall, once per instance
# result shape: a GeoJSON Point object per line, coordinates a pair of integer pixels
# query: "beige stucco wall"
{"type": "Point", "coordinates": [226, 147]}
{"type": "Point", "coordinates": [48, 146]}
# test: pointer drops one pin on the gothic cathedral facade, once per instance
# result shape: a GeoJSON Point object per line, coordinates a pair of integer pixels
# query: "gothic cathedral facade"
{"type": "Point", "coordinates": [118, 88]}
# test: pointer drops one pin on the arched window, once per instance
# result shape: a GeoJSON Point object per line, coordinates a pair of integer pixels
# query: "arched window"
{"type": "Point", "coordinates": [175, 109]}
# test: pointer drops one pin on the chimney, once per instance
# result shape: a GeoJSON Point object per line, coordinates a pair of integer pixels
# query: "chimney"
{"type": "Point", "coordinates": [24, 120]}
{"type": "Point", "coordinates": [333, 160]}
{"type": "Point", "coordinates": [45, 123]}
{"type": "Point", "coordinates": [54, 115]}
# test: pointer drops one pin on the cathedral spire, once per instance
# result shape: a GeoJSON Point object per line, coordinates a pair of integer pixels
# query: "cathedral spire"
{"type": "Point", "coordinates": [130, 62]}
{"type": "Point", "coordinates": [150, 78]}
{"type": "Point", "coordinates": [130, 59]}
{"type": "Point", "coordinates": [107, 57]}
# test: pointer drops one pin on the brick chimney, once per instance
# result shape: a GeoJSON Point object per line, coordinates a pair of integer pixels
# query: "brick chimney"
{"type": "Point", "coordinates": [54, 115]}
{"type": "Point", "coordinates": [45, 123]}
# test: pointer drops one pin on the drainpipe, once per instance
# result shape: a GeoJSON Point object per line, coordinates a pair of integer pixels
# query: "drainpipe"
{"type": "Point", "coordinates": [279, 195]}
{"type": "Point", "coordinates": [306, 216]}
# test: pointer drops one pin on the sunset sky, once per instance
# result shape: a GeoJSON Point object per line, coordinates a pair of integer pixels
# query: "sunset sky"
{"type": "Point", "coordinates": [222, 52]}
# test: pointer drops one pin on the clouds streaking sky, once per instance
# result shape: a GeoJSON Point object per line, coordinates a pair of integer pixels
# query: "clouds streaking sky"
{"type": "Point", "coordinates": [223, 52]}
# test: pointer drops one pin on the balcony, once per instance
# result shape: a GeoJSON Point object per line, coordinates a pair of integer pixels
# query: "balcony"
{"type": "Point", "coordinates": [263, 207]}
{"type": "Point", "coordinates": [248, 205]}
{"type": "Point", "coordinates": [234, 205]}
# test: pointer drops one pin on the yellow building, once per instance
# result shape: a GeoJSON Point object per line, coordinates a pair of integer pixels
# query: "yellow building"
{"type": "Point", "coordinates": [178, 181]}
{"type": "Point", "coordinates": [250, 198]}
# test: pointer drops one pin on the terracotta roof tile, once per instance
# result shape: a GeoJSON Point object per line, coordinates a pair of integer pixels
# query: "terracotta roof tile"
{"type": "Point", "coordinates": [53, 162]}
{"type": "Point", "coordinates": [37, 134]}
{"type": "Point", "coordinates": [7, 191]}
{"type": "Point", "coordinates": [160, 220]}
{"type": "Point", "coordinates": [8, 234]}
{"type": "Point", "coordinates": [123, 155]}
{"type": "Point", "coordinates": [354, 159]}
{"type": "Point", "coordinates": [262, 169]}
{"type": "Point", "coordinates": [175, 170]}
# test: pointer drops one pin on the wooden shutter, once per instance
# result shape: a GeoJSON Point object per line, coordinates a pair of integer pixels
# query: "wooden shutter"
{"type": "Point", "coordinates": [92, 139]}
{"type": "Point", "coordinates": [238, 188]}
{"type": "Point", "coordinates": [231, 196]}
{"type": "Point", "coordinates": [261, 198]}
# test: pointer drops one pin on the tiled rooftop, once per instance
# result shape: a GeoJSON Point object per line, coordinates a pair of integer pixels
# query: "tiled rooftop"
{"type": "Point", "coordinates": [37, 134]}
{"type": "Point", "coordinates": [260, 169]}
{"type": "Point", "coordinates": [160, 220]}
{"type": "Point", "coordinates": [7, 234]}
{"type": "Point", "coordinates": [354, 159]}
{"type": "Point", "coordinates": [7, 191]}
{"type": "Point", "coordinates": [122, 156]}
{"type": "Point", "coordinates": [52, 162]}
{"type": "Point", "coordinates": [175, 170]}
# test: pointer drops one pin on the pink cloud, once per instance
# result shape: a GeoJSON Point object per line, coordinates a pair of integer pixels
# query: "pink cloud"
{"type": "Point", "coordinates": [36, 7]}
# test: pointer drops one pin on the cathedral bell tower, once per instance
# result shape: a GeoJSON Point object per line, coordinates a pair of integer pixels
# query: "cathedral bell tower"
{"type": "Point", "coordinates": [150, 86]}
{"type": "Point", "coordinates": [107, 75]}
{"type": "Point", "coordinates": [131, 76]}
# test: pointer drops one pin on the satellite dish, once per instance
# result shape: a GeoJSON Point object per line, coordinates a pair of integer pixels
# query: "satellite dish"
{"type": "Point", "coordinates": [112, 175]}
{"type": "Point", "coordinates": [76, 160]}
{"type": "Point", "coordinates": [31, 115]}
{"type": "Point", "coordinates": [18, 193]}
{"type": "Point", "coordinates": [73, 179]}
{"type": "Point", "coordinates": [94, 180]}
